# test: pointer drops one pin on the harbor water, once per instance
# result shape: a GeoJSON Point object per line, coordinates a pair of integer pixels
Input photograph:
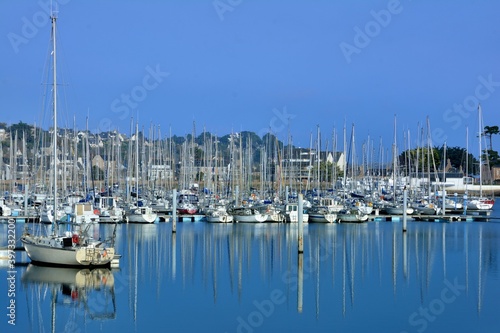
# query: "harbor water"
{"type": "Point", "coordinates": [366, 277]}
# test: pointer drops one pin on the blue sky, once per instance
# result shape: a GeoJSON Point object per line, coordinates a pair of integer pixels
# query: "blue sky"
{"type": "Point", "coordinates": [284, 66]}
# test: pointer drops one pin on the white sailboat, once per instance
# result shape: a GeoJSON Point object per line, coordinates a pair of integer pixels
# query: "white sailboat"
{"type": "Point", "coordinates": [218, 214]}
{"type": "Point", "coordinates": [139, 212]}
{"type": "Point", "coordinates": [72, 248]}
{"type": "Point", "coordinates": [480, 202]}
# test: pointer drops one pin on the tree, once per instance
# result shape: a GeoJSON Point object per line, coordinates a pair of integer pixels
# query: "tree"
{"type": "Point", "coordinates": [458, 158]}
{"type": "Point", "coordinates": [491, 156]}
{"type": "Point", "coordinates": [489, 131]}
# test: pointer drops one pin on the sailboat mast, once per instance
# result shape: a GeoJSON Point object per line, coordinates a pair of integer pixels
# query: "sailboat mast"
{"type": "Point", "coordinates": [394, 163]}
{"type": "Point", "coordinates": [480, 152]}
{"type": "Point", "coordinates": [466, 158]}
{"type": "Point", "coordinates": [137, 164]}
{"type": "Point", "coordinates": [54, 92]}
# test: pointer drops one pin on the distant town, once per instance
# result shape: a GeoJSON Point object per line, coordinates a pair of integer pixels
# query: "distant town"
{"type": "Point", "coordinates": [99, 160]}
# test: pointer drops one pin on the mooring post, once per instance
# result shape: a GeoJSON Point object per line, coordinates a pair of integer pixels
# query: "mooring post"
{"type": "Point", "coordinates": [174, 210]}
{"type": "Point", "coordinates": [405, 203]}
{"type": "Point", "coordinates": [300, 284]}
{"type": "Point", "coordinates": [301, 224]}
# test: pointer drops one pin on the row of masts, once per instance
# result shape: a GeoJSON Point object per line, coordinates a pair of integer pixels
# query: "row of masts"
{"type": "Point", "coordinates": [159, 164]}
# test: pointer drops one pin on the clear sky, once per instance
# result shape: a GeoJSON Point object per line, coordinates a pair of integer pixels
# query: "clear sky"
{"type": "Point", "coordinates": [259, 65]}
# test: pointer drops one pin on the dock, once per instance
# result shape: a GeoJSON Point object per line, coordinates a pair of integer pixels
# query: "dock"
{"type": "Point", "coordinates": [20, 219]}
{"type": "Point", "coordinates": [181, 218]}
{"type": "Point", "coordinates": [435, 218]}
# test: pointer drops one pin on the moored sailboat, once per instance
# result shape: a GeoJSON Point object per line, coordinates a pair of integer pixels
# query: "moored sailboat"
{"type": "Point", "coordinates": [71, 248]}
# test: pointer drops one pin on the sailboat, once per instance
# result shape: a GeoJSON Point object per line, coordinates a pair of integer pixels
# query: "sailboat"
{"type": "Point", "coordinates": [71, 248]}
{"type": "Point", "coordinates": [139, 212]}
{"type": "Point", "coordinates": [481, 202]}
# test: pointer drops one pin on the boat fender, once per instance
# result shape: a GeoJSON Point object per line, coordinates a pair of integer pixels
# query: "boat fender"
{"type": "Point", "coordinates": [75, 239]}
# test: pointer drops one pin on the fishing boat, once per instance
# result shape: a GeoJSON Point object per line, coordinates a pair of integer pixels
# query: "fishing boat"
{"type": "Point", "coordinates": [186, 208]}
{"type": "Point", "coordinates": [291, 212]}
{"type": "Point", "coordinates": [73, 247]}
{"type": "Point", "coordinates": [188, 203]}
{"type": "Point", "coordinates": [84, 212]}
{"type": "Point", "coordinates": [109, 211]}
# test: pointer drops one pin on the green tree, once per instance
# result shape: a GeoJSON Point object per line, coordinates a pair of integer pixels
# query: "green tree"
{"type": "Point", "coordinates": [489, 131]}
{"type": "Point", "coordinates": [491, 156]}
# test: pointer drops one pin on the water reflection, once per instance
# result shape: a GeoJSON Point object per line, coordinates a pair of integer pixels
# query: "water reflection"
{"type": "Point", "coordinates": [73, 296]}
{"type": "Point", "coordinates": [348, 275]}
{"type": "Point", "coordinates": [338, 260]}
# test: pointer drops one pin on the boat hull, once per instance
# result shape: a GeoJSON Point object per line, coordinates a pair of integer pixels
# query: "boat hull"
{"type": "Point", "coordinates": [141, 218]}
{"type": "Point", "coordinates": [219, 219]}
{"type": "Point", "coordinates": [255, 218]}
{"type": "Point", "coordinates": [47, 254]}
{"type": "Point", "coordinates": [356, 218]}
{"type": "Point", "coordinates": [293, 217]}
{"type": "Point", "coordinates": [141, 215]}
{"type": "Point", "coordinates": [322, 218]}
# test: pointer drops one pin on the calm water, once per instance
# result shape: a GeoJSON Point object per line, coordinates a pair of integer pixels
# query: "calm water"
{"type": "Point", "coordinates": [249, 278]}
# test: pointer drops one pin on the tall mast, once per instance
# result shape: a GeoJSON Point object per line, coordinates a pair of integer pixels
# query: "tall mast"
{"type": "Point", "coordinates": [137, 163]}
{"type": "Point", "coordinates": [53, 18]}
{"type": "Point", "coordinates": [466, 158]}
{"type": "Point", "coordinates": [344, 165]}
{"type": "Point", "coordinates": [318, 160]}
{"type": "Point", "coordinates": [394, 154]}
{"type": "Point", "coordinates": [480, 152]}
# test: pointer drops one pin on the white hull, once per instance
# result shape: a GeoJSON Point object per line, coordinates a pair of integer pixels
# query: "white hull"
{"type": "Point", "coordinates": [254, 218]}
{"type": "Point", "coordinates": [293, 217]}
{"type": "Point", "coordinates": [275, 217]}
{"type": "Point", "coordinates": [352, 218]}
{"type": "Point", "coordinates": [110, 218]}
{"type": "Point", "coordinates": [49, 250]}
{"type": "Point", "coordinates": [220, 218]}
{"type": "Point", "coordinates": [141, 218]}
{"type": "Point", "coordinates": [141, 215]}
{"type": "Point", "coordinates": [479, 205]}
{"type": "Point", "coordinates": [322, 218]}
